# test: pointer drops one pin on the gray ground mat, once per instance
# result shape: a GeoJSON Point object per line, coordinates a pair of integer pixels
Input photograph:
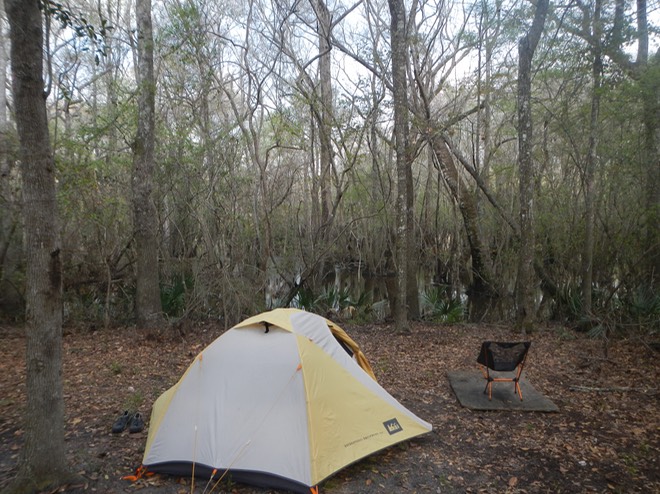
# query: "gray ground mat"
{"type": "Point", "coordinates": [469, 389]}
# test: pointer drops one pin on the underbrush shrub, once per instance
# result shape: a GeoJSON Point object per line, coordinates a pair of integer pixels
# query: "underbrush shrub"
{"type": "Point", "coordinates": [439, 306]}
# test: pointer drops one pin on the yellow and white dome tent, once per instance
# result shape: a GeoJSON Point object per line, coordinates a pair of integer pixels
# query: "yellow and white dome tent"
{"type": "Point", "coordinates": [276, 401]}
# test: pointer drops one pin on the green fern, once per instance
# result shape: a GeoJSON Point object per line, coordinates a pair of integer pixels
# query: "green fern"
{"type": "Point", "coordinates": [438, 306]}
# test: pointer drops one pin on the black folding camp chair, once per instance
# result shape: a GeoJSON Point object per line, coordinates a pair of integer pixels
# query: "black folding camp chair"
{"type": "Point", "coordinates": [503, 357]}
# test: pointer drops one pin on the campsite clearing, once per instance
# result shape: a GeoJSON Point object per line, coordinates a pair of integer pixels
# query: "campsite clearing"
{"type": "Point", "coordinates": [605, 437]}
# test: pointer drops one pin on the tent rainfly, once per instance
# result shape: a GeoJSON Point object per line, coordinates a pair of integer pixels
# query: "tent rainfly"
{"type": "Point", "coordinates": [282, 400]}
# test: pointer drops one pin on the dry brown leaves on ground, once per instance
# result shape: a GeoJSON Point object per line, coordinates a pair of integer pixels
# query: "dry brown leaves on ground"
{"type": "Point", "coordinates": [604, 439]}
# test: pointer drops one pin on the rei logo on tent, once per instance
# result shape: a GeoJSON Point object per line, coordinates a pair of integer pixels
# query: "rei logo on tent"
{"type": "Point", "coordinates": [392, 426]}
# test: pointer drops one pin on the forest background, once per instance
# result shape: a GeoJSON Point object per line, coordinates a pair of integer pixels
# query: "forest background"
{"type": "Point", "coordinates": [276, 179]}
{"type": "Point", "coordinates": [182, 160]}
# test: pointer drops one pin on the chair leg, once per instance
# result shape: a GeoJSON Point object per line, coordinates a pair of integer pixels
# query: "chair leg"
{"type": "Point", "coordinates": [518, 390]}
{"type": "Point", "coordinates": [517, 380]}
{"type": "Point", "coordinates": [489, 382]}
{"type": "Point", "coordinates": [489, 390]}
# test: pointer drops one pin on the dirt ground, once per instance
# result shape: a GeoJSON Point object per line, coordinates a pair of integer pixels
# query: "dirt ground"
{"type": "Point", "coordinates": [605, 438]}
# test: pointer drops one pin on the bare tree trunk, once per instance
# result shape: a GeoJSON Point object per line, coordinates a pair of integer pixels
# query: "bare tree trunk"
{"type": "Point", "coordinates": [9, 218]}
{"type": "Point", "coordinates": [412, 290]}
{"type": "Point", "coordinates": [324, 110]}
{"type": "Point", "coordinates": [652, 156]}
{"type": "Point", "coordinates": [481, 291]}
{"type": "Point", "coordinates": [644, 71]}
{"type": "Point", "coordinates": [401, 138]}
{"type": "Point", "coordinates": [42, 463]}
{"type": "Point", "coordinates": [483, 145]}
{"type": "Point", "coordinates": [651, 121]}
{"type": "Point", "coordinates": [590, 165]}
{"type": "Point", "coordinates": [147, 297]}
{"type": "Point", "coordinates": [111, 68]}
{"type": "Point", "coordinates": [4, 122]}
{"type": "Point", "coordinates": [527, 283]}
{"type": "Point", "coordinates": [324, 117]}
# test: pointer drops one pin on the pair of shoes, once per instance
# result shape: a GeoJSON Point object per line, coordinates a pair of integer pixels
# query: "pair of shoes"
{"type": "Point", "coordinates": [134, 422]}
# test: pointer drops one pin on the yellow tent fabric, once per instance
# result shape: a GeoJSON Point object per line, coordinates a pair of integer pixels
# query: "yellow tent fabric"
{"type": "Point", "coordinates": [342, 435]}
{"type": "Point", "coordinates": [361, 358]}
